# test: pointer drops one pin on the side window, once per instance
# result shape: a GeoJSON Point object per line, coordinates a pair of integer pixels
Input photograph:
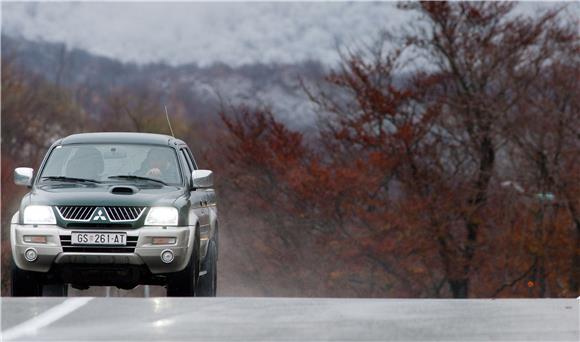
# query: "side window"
{"type": "Point", "coordinates": [191, 159]}
{"type": "Point", "coordinates": [187, 160]}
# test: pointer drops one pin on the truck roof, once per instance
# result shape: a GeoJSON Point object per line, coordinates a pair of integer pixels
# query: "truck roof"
{"type": "Point", "coordinates": [120, 138]}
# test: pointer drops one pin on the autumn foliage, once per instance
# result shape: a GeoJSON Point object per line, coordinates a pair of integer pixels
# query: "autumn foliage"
{"type": "Point", "coordinates": [459, 180]}
{"type": "Point", "coordinates": [445, 163]}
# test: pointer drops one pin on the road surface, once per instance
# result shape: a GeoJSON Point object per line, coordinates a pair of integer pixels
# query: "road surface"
{"type": "Point", "coordinates": [284, 319]}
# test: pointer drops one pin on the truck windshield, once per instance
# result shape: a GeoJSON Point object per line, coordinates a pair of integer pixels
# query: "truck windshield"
{"type": "Point", "coordinates": [113, 163]}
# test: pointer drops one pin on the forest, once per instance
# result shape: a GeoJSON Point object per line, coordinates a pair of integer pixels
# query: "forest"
{"type": "Point", "coordinates": [444, 161]}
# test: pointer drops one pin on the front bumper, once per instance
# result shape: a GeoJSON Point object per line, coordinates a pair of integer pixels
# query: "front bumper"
{"type": "Point", "coordinates": [145, 253]}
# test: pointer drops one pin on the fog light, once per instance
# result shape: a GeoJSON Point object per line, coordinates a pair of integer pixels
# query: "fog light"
{"type": "Point", "coordinates": [34, 239]}
{"type": "Point", "coordinates": [163, 240]}
{"type": "Point", "coordinates": [30, 254]}
{"type": "Point", "coordinates": [167, 256]}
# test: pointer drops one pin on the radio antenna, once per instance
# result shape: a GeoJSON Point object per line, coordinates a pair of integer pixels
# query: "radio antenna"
{"type": "Point", "coordinates": [168, 122]}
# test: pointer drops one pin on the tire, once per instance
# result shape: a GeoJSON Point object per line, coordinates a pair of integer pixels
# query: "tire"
{"type": "Point", "coordinates": [55, 290]}
{"type": "Point", "coordinates": [183, 283]}
{"type": "Point", "coordinates": [207, 285]}
{"type": "Point", "coordinates": [25, 283]}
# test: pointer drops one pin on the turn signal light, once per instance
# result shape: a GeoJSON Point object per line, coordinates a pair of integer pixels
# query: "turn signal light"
{"type": "Point", "coordinates": [163, 240]}
{"type": "Point", "coordinates": [34, 239]}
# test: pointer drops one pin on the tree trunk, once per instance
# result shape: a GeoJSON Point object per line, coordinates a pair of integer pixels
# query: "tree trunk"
{"type": "Point", "coordinates": [575, 272]}
{"type": "Point", "coordinates": [574, 280]}
{"type": "Point", "coordinates": [459, 288]}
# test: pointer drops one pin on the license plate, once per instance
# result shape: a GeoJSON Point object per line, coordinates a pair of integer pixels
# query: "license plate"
{"type": "Point", "coordinates": [118, 239]}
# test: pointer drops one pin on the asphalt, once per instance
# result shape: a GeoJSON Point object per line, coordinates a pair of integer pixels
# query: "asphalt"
{"type": "Point", "coordinates": [286, 319]}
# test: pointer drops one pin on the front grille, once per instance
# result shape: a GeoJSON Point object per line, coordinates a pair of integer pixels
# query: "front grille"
{"type": "Point", "coordinates": [65, 241]}
{"type": "Point", "coordinates": [124, 213]}
{"type": "Point", "coordinates": [114, 213]}
{"type": "Point", "coordinates": [99, 225]}
{"type": "Point", "coordinates": [75, 213]}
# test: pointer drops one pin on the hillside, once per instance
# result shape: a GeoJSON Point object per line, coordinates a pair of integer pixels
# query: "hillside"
{"type": "Point", "coordinates": [200, 88]}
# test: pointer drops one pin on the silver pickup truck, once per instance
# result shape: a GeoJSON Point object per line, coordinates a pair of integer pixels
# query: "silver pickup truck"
{"type": "Point", "coordinates": [115, 209]}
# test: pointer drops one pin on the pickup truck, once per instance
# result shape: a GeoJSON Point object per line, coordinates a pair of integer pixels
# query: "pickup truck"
{"type": "Point", "coordinates": [115, 209]}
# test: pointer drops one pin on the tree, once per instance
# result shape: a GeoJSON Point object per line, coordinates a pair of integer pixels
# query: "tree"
{"type": "Point", "coordinates": [407, 169]}
{"type": "Point", "coordinates": [487, 61]}
{"type": "Point", "coordinates": [545, 137]}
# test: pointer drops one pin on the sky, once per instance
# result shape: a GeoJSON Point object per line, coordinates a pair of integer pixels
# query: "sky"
{"type": "Point", "coordinates": [206, 33]}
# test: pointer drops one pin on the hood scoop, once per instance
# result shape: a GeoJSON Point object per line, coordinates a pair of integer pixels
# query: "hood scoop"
{"type": "Point", "coordinates": [123, 190]}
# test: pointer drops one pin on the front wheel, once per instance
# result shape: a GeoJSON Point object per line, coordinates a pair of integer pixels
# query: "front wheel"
{"type": "Point", "coordinates": [183, 283]}
{"type": "Point", "coordinates": [207, 285]}
{"type": "Point", "coordinates": [25, 283]}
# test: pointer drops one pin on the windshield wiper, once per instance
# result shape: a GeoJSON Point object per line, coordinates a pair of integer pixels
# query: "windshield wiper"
{"type": "Point", "coordinates": [70, 179]}
{"type": "Point", "coordinates": [138, 178]}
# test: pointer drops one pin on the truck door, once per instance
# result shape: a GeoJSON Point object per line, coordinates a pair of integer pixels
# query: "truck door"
{"type": "Point", "coordinates": [198, 197]}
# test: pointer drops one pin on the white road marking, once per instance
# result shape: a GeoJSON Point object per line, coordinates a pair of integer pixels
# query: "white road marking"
{"type": "Point", "coordinates": [51, 315]}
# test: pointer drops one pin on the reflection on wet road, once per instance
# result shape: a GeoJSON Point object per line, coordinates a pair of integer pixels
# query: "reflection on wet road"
{"type": "Point", "coordinates": [277, 319]}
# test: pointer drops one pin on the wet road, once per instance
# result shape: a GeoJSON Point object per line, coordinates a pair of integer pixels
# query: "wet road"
{"type": "Point", "coordinates": [283, 319]}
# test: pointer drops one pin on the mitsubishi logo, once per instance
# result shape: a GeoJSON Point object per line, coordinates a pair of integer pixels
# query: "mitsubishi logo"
{"type": "Point", "coordinates": [99, 216]}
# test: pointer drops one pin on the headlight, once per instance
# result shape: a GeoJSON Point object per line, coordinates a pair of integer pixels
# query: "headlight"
{"type": "Point", "coordinates": [39, 214]}
{"type": "Point", "coordinates": [162, 216]}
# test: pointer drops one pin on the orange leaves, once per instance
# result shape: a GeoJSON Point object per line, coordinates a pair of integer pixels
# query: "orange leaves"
{"type": "Point", "coordinates": [406, 133]}
{"type": "Point", "coordinates": [400, 188]}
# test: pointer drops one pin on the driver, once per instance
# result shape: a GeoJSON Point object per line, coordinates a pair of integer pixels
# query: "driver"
{"type": "Point", "coordinates": [158, 164]}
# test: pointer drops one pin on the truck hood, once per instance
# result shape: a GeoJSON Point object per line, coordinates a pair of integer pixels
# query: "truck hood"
{"type": "Point", "coordinates": [102, 195]}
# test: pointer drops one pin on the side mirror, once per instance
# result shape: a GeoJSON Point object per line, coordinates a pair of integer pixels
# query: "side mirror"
{"type": "Point", "coordinates": [23, 176]}
{"type": "Point", "coordinates": [202, 179]}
